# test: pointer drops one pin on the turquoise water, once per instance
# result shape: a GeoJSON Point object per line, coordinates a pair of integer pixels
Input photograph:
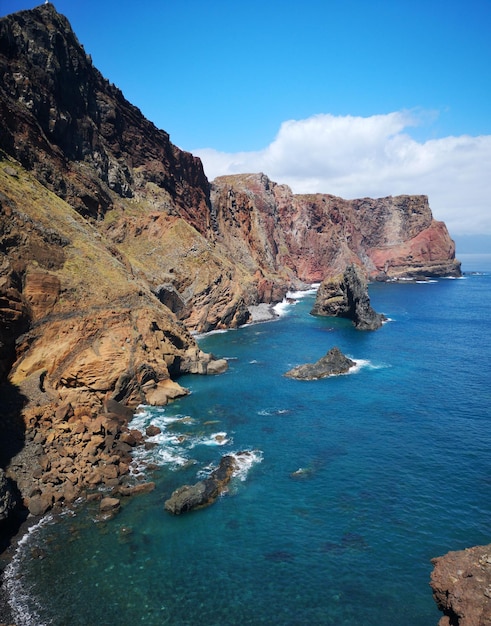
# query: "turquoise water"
{"type": "Point", "coordinates": [394, 470]}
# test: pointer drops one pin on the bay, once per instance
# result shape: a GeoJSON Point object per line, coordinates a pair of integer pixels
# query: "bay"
{"type": "Point", "coordinates": [356, 482]}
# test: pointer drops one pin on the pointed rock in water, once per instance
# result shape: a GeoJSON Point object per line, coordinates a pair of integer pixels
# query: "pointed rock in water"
{"type": "Point", "coordinates": [346, 295]}
{"type": "Point", "coordinates": [332, 364]}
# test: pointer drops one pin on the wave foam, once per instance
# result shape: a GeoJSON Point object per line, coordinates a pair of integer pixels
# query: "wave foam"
{"type": "Point", "coordinates": [245, 460]}
{"type": "Point", "coordinates": [25, 609]}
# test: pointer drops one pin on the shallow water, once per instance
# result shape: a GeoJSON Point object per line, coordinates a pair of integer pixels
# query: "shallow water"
{"type": "Point", "coordinates": [356, 481]}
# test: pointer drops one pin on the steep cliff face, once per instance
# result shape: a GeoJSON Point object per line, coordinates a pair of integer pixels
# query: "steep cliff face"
{"type": "Point", "coordinates": [78, 134]}
{"type": "Point", "coordinates": [312, 237]}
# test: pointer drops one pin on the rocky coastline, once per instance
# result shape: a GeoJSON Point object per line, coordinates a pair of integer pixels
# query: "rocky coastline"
{"type": "Point", "coordinates": [115, 249]}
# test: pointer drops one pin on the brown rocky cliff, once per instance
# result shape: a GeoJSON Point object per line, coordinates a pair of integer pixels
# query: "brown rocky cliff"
{"type": "Point", "coordinates": [77, 133]}
{"type": "Point", "coordinates": [461, 584]}
{"type": "Point", "coordinates": [311, 237]}
{"type": "Point", "coordinates": [78, 329]}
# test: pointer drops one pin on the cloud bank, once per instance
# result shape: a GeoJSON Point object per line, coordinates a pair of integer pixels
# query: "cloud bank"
{"type": "Point", "coordinates": [375, 156]}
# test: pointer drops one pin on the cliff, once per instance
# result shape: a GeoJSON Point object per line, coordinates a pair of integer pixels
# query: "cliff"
{"type": "Point", "coordinates": [114, 247]}
{"type": "Point", "coordinates": [312, 237]}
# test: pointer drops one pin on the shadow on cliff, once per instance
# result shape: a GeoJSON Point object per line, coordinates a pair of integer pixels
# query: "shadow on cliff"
{"type": "Point", "coordinates": [12, 437]}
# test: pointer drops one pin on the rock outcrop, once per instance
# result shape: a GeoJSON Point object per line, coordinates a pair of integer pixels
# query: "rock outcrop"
{"type": "Point", "coordinates": [332, 364]}
{"type": "Point", "coordinates": [204, 492]}
{"type": "Point", "coordinates": [461, 583]}
{"type": "Point", "coordinates": [346, 295]}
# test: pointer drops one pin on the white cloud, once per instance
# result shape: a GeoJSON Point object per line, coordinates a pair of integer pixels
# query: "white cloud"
{"type": "Point", "coordinates": [354, 157]}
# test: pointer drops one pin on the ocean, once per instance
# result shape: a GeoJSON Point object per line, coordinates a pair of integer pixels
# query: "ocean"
{"type": "Point", "coordinates": [353, 482]}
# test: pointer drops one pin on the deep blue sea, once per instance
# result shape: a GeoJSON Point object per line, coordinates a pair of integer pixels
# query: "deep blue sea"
{"type": "Point", "coordinates": [355, 482]}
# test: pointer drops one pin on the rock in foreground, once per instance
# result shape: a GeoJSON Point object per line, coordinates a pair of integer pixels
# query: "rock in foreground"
{"type": "Point", "coordinates": [461, 583]}
{"type": "Point", "coordinates": [332, 364]}
{"type": "Point", "coordinates": [346, 295]}
{"type": "Point", "coordinates": [206, 491]}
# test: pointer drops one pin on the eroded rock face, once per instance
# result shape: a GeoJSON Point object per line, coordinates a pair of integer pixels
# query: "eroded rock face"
{"type": "Point", "coordinates": [310, 237]}
{"type": "Point", "coordinates": [346, 295]}
{"type": "Point", "coordinates": [79, 135]}
{"type": "Point", "coordinates": [332, 364]}
{"type": "Point", "coordinates": [461, 583]}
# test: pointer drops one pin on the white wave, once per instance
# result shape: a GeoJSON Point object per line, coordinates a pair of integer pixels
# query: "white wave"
{"type": "Point", "coordinates": [296, 295]}
{"type": "Point", "coordinates": [291, 298]}
{"type": "Point", "coordinates": [25, 609]}
{"type": "Point", "coordinates": [364, 363]}
{"type": "Point", "coordinates": [217, 331]}
{"type": "Point", "coordinates": [269, 411]}
{"type": "Point", "coordinates": [282, 307]}
{"type": "Point", "coordinates": [245, 460]}
{"type": "Point", "coordinates": [216, 439]}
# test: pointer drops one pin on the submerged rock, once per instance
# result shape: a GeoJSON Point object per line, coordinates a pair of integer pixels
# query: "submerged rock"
{"type": "Point", "coordinates": [332, 364]}
{"type": "Point", "coordinates": [346, 295]}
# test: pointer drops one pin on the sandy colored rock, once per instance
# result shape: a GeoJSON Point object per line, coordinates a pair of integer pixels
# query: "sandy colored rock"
{"type": "Point", "coordinates": [109, 504]}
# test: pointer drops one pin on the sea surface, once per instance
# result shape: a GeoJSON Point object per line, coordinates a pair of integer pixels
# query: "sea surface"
{"type": "Point", "coordinates": [353, 482]}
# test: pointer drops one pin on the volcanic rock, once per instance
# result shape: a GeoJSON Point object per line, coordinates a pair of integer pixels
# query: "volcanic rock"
{"type": "Point", "coordinates": [204, 492]}
{"type": "Point", "coordinates": [8, 500]}
{"type": "Point", "coordinates": [332, 364]}
{"type": "Point", "coordinates": [346, 295]}
{"type": "Point", "coordinates": [461, 584]}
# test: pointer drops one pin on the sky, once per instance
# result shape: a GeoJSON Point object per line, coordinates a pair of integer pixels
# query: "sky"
{"type": "Point", "coordinates": [349, 97]}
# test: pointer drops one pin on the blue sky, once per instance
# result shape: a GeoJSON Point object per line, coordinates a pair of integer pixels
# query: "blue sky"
{"type": "Point", "coordinates": [350, 97]}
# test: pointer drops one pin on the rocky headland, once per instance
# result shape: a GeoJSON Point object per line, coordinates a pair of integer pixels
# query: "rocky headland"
{"type": "Point", "coordinates": [115, 249]}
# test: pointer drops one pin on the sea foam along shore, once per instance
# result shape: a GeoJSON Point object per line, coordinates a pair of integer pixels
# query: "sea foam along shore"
{"type": "Point", "coordinates": [264, 312]}
{"type": "Point", "coordinates": [13, 595]}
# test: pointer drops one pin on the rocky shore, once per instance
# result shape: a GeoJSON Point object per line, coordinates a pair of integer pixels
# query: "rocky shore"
{"type": "Point", "coordinates": [115, 248]}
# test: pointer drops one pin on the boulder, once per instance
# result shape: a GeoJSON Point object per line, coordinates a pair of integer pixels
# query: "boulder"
{"type": "Point", "coordinates": [152, 430]}
{"type": "Point", "coordinates": [332, 364]}
{"type": "Point", "coordinates": [204, 492]}
{"type": "Point", "coordinates": [109, 504]}
{"type": "Point", "coordinates": [346, 295]}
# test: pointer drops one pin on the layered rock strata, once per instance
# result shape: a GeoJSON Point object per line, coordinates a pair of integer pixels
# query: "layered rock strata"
{"type": "Point", "coordinates": [311, 236]}
{"type": "Point", "coordinates": [461, 584]}
{"type": "Point", "coordinates": [346, 295]}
